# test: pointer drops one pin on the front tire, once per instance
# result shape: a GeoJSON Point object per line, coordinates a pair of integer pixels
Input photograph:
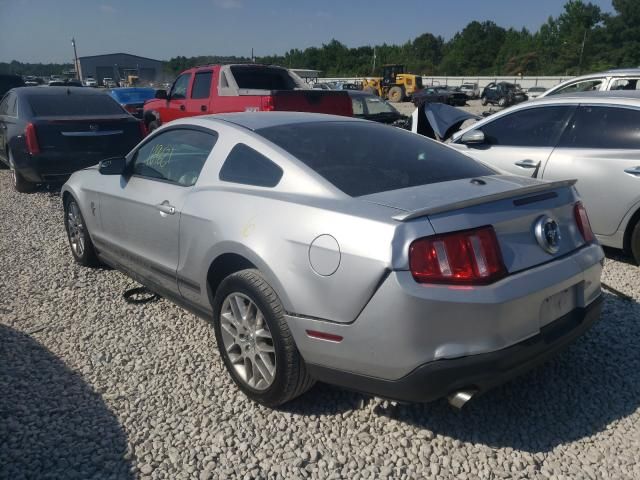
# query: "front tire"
{"type": "Point", "coordinates": [79, 240]}
{"type": "Point", "coordinates": [484, 101]}
{"type": "Point", "coordinates": [502, 102]}
{"type": "Point", "coordinates": [396, 94]}
{"type": "Point", "coordinates": [255, 342]}
{"type": "Point", "coordinates": [19, 183]}
{"type": "Point", "coordinates": [635, 243]}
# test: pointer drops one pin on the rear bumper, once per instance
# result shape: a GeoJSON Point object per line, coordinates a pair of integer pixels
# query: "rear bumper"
{"type": "Point", "coordinates": [54, 167]}
{"type": "Point", "coordinates": [480, 372]}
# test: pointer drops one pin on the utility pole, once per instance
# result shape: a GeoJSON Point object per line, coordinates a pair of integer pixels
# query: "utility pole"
{"type": "Point", "coordinates": [373, 69]}
{"type": "Point", "coordinates": [584, 40]}
{"type": "Point", "coordinates": [75, 59]}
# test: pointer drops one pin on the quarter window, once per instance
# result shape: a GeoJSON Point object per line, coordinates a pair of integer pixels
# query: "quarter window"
{"type": "Point", "coordinates": [201, 85]}
{"type": "Point", "coordinates": [625, 84]}
{"type": "Point", "coordinates": [175, 156]}
{"type": "Point", "coordinates": [245, 165]}
{"type": "Point", "coordinates": [603, 127]}
{"type": "Point", "coordinates": [533, 127]}
{"type": "Point", "coordinates": [179, 89]}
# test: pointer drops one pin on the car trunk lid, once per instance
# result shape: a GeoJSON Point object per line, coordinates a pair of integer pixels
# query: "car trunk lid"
{"type": "Point", "coordinates": [511, 205]}
{"type": "Point", "coordinates": [113, 134]}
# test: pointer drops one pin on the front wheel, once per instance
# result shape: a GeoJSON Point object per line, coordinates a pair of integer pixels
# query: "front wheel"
{"type": "Point", "coordinates": [635, 243]}
{"type": "Point", "coordinates": [484, 101]}
{"type": "Point", "coordinates": [502, 102]}
{"type": "Point", "coordinates": [79, 240]}
{"type": "Point", "coordinates": [255, 342]}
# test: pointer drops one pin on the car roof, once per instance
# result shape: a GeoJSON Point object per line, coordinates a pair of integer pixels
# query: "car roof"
{"type": "Point", "coordinates": [258, 120]}
{"type": "Point", "coordinates": [59, 90]}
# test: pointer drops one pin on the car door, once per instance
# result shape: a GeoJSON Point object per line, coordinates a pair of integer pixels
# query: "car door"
{"type": "Point", "coordinates": [521, 141]}
{"type": "Point", "coordinates": [590, 85]}
{"type": "Point", "coordinates": [140, 216]}
{"type": "Point", "coordinates": [601, 148]}
{"type": "Point", "coordinates": [177, 103]}
{"type": "Point", "coordinates": [199, 99]}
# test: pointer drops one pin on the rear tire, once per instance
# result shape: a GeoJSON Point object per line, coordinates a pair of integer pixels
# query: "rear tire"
{"type": "Point", "coordinates": [253, 330]}
{"type": "Point", "coordinates": [78, 235]}
{"type": "Point", "coordinates": [396, 94]}
{"type": "Point", "coordinates": [152, 125]}
{"type": "Point", "coordinates": [19, 183]}
{"type": "Point", "coordinates": [635, 243]}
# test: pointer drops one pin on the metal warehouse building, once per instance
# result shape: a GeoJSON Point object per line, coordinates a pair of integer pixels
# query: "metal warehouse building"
{"type": "Point", "coordinates": [119, 66]}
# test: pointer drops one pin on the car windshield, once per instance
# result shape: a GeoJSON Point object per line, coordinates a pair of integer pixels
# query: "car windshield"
{"type": "Point", "coordinates": [363, 158]}
{"type": "Point", "coordinates": [73, 105]}
{"type": "Point", "coordinates": [138, 95]}
{"type": "Point", "coordinates": [376, 106]}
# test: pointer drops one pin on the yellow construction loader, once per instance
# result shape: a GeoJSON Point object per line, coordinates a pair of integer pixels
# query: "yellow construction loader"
{"type": "Point", "coordinates": [395, 85]}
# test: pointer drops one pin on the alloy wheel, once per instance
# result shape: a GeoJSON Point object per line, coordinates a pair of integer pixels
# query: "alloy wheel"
{"type": "Point", "coordinates": [76, 229]}
{"type": "Point", "coordinates": [247, 341]}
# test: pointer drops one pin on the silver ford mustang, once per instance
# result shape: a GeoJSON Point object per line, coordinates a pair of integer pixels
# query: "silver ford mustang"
{"type": "Point", "coordinates": [346, 251]}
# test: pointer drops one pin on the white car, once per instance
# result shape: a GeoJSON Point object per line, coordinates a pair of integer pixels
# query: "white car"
{"type": "Point", "coordinates": [535, 92]}
{"type": "Point", "coordinates": [619, 79]}
{"type": "Point", "coordinates": [472, 90]}
{"type": "Point", "coordinates": [90, 82]}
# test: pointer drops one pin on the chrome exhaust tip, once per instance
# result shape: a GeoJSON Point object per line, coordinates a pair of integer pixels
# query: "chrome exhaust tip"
{"type": "Point", "coordinates": [459, 399]}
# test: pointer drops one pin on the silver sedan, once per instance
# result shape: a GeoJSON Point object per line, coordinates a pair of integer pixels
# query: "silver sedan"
{"type": "Point", "coordinates": [341, 250]}
{"type": "Point", "coordinates": [592, 137]}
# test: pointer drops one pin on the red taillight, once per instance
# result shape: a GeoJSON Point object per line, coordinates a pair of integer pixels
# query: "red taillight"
{"type": "Point", "coordinates": [582, 219]}
{"type": "Point", "coordinates": [32, 140]}
{"type": "Point", "coordinates": [471, 257]}
{"type": "Point", "coordinates": [130, 108]}
{"type": "Point", "coordinates": [267, 104]}
{"type": "Point", "coordinates": [143, 129]}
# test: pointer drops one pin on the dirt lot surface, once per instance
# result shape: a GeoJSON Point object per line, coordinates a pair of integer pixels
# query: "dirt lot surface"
{"type": "Point", "coordinates": [92, 387]}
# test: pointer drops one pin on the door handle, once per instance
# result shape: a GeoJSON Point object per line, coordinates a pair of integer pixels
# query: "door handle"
{"type": "Point", "coordinates": [166, 207]}
{"type": "Point", "coordinates": [203, 108]}
{"type": "Point", "coordinates": [526, 163]}
{"type": "Point", "coordinates": [182, 107]}
{"type": "Point", "coordinates": [635, 171]}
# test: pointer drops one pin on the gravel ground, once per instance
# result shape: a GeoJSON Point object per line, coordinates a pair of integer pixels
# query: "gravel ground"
{"type": "Point", "coordinates": [92, 387]}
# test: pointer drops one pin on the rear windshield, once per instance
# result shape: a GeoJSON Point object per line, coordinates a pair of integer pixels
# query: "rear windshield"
{"type": "Point", "coordinates": [261, 78]}
{"type": "Point", "coordinates": [365, 158]}
{"type": "Point", "coordinates": [133, 96]}
{"type": "Point", "coordinates": [73, 105]}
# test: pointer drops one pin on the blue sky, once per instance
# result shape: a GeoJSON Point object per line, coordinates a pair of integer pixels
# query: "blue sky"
{"type": "Point", "coordinates": [40, 30]}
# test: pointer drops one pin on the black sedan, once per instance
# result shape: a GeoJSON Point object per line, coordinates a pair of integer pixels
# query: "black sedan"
{"type": "Point", "coordinates": [438, 94]}
{"type": "Point", "coordinates": [46, 134]}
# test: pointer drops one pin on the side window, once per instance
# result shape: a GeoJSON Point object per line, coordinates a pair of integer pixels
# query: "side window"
{"type": "Point", "coordinates": [201, 85]}
{"type": "Point", "coordinates": [4, 105]}
{"type": "Point", "coordinates": [175, 156]}
{"type": "Point", "coordinates": [358, 106]}
{"type": "Point", "coordinates": [245, 165]}
{"type": "Point", "coordinates": [12, 107]}
{"type": "Point", "coordinates": [625, 84]}
{"type": "Point", "coordinates": [533, 127]}
{"type": "Point", "coordinates": [603, 127]}
{"type": "Point", "coordinates": [584, 86]}
{"type": "Point", "coordinates": [179, 89]}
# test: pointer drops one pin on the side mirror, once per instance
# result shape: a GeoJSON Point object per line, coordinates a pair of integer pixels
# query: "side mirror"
{"type": "Point", "coordinates": [161, 94]}
{"type": "Point", "coordinates": [473, 137]}
{"type": "Point", "coordinates": [113, 166]}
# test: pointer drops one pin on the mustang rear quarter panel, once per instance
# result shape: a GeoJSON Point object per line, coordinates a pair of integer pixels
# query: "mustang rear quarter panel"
{"type": "Point", "coordinates": [406, 324]}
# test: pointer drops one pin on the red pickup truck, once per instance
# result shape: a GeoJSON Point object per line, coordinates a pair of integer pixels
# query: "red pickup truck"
{"type": "Point", "coordinates": [240, 88]}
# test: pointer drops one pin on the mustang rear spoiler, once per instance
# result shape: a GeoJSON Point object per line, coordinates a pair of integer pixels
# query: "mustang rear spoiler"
{"type": "Point", "coordinates": [518, 192]}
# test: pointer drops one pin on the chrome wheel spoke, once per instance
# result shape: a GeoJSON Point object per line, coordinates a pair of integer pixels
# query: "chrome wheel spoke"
{"type": "Point", "coordinates": [247, 341]}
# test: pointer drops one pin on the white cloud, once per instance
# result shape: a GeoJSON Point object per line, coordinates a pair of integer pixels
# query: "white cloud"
{"type": "Point", "coordinates": [107, 8]}
{"type": "Point", "coordinates": [228, 4]}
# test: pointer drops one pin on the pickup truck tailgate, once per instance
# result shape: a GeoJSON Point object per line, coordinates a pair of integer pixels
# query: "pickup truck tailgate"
{"type": "Point", "coordinates": [314, 101]}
